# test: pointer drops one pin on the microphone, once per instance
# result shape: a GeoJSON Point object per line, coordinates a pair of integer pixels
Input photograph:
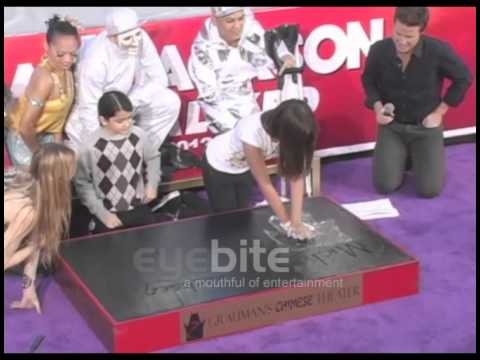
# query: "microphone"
{"type": "Point", "coordinates": [388, 109]}
{"type": "Point", "coordinates": [398, 63]}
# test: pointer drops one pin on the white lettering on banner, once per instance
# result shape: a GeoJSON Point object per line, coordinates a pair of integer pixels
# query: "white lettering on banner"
{"type": "Point", "coordinates": [21, 78]}
{"type": "Point", "coordinates": [175, 68]}
{"type": "Point", "coordinates": [313, 59]}
{"type": "Point", "coordinates": [357, 36]}
{"type": "Point", "coordinates": [347, 46]}
{"type": "Point", "coordinates": [194, 125]}
{"type": "Point", "coordinates": [193, 144]}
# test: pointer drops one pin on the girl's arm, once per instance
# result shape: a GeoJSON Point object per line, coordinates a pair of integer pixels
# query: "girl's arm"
{"type": "Point", "coordinates": [256, 161]}
{"type": "Point", "coordinates": [297, 187]}
{"type": "Point", "coordinates": [298, 229]}
{"type": "Point", "coordinates": [37, 93]}
{"type": "Point", "coordinates": [293, 225]}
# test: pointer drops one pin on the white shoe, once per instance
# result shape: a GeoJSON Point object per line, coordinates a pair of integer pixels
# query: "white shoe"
{"type": "Point", "coordinates": [166, 199]}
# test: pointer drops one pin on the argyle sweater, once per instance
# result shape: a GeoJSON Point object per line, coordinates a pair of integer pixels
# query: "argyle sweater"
{"type": "Point", "coordinates": [110, 175]}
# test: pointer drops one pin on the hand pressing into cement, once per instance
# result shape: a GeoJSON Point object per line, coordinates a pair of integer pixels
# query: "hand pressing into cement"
{"type": "Point", "coordinates": [300, 231]}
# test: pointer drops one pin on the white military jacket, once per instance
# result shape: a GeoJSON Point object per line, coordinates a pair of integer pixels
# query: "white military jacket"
{"type": "Point", "coordinates": [223, 74]}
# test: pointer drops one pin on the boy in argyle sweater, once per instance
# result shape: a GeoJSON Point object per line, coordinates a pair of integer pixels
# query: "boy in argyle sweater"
{"type": "Point", "coordinates": [113, 164]}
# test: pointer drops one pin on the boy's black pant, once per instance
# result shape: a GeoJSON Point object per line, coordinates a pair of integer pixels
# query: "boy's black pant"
{"type": "Point", "coordinates": [227, 191]}
{"type": "Point", "coordinates": [425, 146]}
{"type": "Point", "coordinates": [141, 215]}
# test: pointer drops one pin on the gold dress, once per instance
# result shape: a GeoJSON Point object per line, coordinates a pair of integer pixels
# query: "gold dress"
{"type": "Point", "coordinates": [51, 121]}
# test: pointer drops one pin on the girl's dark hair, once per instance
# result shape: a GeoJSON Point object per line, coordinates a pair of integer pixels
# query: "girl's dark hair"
{"type": "Point", "coordinates": [113, 101]}
{"type": "Point", "coordinates": [293, 124]}
{"type": "Point", "coordinates": [412, 16]}
{"type": "Point", "coordinates": [57, 26]}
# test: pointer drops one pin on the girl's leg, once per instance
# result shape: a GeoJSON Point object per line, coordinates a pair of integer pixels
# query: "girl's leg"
{"type": "Point", "coordinates": [220, 188]}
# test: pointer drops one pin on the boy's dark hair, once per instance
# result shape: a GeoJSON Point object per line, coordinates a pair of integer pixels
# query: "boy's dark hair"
{"type": "Point", "coordinates": [113, 101]}
{"type": "Point", "coordinates": [57, 26]}
{"type": "Point", "coordinates": [293, 124]}
{"type": "Point", "coordinates": [412, 16]}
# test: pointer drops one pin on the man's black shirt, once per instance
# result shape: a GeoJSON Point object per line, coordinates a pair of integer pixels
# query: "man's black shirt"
{"type": "Point", "coordinates": [417, 91]}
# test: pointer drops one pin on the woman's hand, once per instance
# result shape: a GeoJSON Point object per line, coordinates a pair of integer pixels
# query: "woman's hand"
{"type": "Point", "coordinates": [29, 300]}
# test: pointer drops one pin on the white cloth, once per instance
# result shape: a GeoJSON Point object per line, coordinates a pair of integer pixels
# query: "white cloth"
{"type": "Point", "coordinates": [375, 209]}
{"type": "Point", "coordinates": [223, 74]}
{"type": "Point", "coordinates": [102, 67]}
{"type": "Point", "coordinates": [225, 152]}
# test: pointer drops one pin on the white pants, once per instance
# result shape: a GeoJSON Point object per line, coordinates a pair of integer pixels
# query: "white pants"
{"type": "Point", "coordinates": [157, 110]}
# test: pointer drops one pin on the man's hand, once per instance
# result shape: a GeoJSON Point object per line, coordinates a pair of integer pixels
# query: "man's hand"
{"type": "Point", "coordinates": [288, 62]}
{"type": "Point", "coordinates": [150, 194]}
{"type": "Point", "coordinates": [382, 118]}
{"type": "Point", "coordinates": [112, 221]}
{"type": "Point", "coordinates": [433, 120]}
{"type": "Point", "coordinates": [380, 115]}
{"type": "Point", "coordinates": [29, 300]}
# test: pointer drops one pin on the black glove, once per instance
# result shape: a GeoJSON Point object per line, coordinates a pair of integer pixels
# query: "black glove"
{"type": "Point", "coordinates": [289, 35]}
{"type": "Point", "coordinates": [172, 155]}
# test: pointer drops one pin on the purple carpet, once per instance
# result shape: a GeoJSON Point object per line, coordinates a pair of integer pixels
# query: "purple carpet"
{"type": "Point", "coordinates": [441, 318]}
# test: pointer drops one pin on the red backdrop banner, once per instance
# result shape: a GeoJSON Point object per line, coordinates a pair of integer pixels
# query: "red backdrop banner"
{"type": "Point", "coordinates": [335, 43]}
